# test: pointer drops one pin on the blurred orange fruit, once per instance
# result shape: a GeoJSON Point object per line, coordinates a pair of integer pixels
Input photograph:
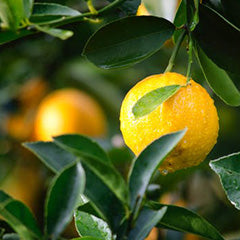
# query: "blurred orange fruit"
{"type": "Point", "coordinates": [153, 235]}
{"type": "Point", "coordinates": [69, 111]}
{"type": "Point", "coordinates": [142, 11]}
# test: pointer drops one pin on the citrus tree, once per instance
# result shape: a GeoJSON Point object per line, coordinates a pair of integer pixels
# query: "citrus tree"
{"type": "Point", "coordinates": [169, 121]}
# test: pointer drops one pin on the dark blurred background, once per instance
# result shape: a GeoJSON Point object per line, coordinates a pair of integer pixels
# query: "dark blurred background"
{"type": "Point", "coordinates": [33, 67]}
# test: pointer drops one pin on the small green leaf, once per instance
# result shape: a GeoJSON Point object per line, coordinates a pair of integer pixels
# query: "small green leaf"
{"type": "Point", "coordinates": [147, 163]}
{"type": "Point", "coordinates": [116, 45]}
{"type": "Point", "coordinates": [89, 225]}
{"type": "Point", "coordinates": [28, 6]}
{"type": "Point", "coordinates": [63, 198]}
{"type": "Point", "coordinates": [218, 80]}
{"type": "Point", "coordinates": [228, 170]}
{"type": "Point", "coordinates": [53, 9]}
{"type": "Point", "coordinates": [147, 219]}
{"type": "Point", "coordinates": [105, 171]}
{"type": "Point", "coordinates": [55, 32]}
{"type": "Point", "coordinates": [84, 146]}
{"type": "Point", "coordinates": [150, 101]}
{"type": "Point", "coordinates": [19, 217]}
{"type": "Point", "coordinates": [184, 220]}
{"type": "Point", "coordinates": [51, 155]}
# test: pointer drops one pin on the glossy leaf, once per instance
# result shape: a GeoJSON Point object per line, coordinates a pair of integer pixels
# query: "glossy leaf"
{"type": "Point", "coordinates": [228, 169]}
{"type": "Point", "coordinates": [51, 155]}
{"type": "Point", "coordinates": [105, 171]}
{"type": "Point", "coordinates": [218, 39]}
{"type": "Point", "coordinates": [19, 217]}
{"type": "Point", "coordinates": [184, 220]}
{"type": "Point", "coordinates": [147, 163]}
{"type": "Point", "coordinates": [83, 146]}
{"type": "Point", "coordinates": [127, 41]}
{"type": "Point", "coordinates": [147, 219]}
{"type": "Point", "coordinates": [89, 225]}
{"type": "Point", "coordinates": [53, 9]}
{"type": "Point", "coordinates": [96, 190]}
{"type": "Point", "coordinates": [11, 13]}
{"type": "Point", "coordinates": [150, 101]}
{"type": "Point", "coordinates": [63, 198]}
{"type": "Point", "coordinates": [218, 80]}
{"type": "Point", "coordinates": [55, 32]}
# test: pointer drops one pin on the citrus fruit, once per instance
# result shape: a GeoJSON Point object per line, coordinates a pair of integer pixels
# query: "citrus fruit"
{"type": "Point", "coordinates": [69, 111]}
{"type": "Point", "coordinates": [153, 235]}
{"type": "Point", "coordinates": [191, 107]}
{"type": "Point", "coordinates": [142, 11]}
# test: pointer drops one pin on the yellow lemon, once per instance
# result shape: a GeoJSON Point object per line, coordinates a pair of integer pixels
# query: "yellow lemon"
{"type": "Point", "coordinates": [142, 11]}
{"type": "Point", "coordinates": [191, 107]}
{"type": "Point", "coordinates": [69, 111]}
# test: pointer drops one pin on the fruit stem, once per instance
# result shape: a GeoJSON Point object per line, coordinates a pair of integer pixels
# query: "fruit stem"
{"type": "Point", "coordinates": [190, 54]}
{"type": "Point", "coordinates": [175, 52]}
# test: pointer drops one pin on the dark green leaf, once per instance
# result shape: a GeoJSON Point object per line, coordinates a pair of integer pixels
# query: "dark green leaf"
{"type": "Point", "coordinates": [63, 198]}
{"type": "Point", "coordinates": [11, 236]}
{"type": "Point", "coordinates": [150, 101]}
{"type": "Point", "coordinates": [129, 6]}
{"type": "Point", "coordinates": [19, 217]}
{"type": "Point", "coordinates": [147, 219]}
{"type": "Point", "coordinates": [84, 146]}
{"type": "Point", "coordinates": [53, 9]}
{"type": "Point", "coordinates": [218, 80]}
{"type": "Point", "coordinates": [218, 39]}
{"type": "Point", "coordinates": [86, 238]}
{"type": "Point", "coordinates": [11, 13]}
{"type": "Point", "coordinates": [55, 32]}
{"type": "Point", "coordinates": [184, 220]}
{"type": "Point", "coordinates": [51, 155]}
{"type": "Point", "coordinates": [105, 171]}
{"type": "Point", "coordinates": [116, 45]}
{"type": "Point", "coordinates": [8, 36]}
{"type": "Point", "coordinates": [228, 169]}
{"type": "Point", "coordinates": [231, 9]}
{"type": "Point", "coordinates": [89, 208]}
{"type": "Point", "coordinates": [90, 225]}
{"type": "Point", "coordinates": [147, 163]}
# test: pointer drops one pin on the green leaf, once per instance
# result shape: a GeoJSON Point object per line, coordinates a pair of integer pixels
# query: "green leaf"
{"type": "Point", "coordinates": [88, 207]}
{"type": "Point", "coordinates": [86, 238]}
{"type": "Point", "coordinates": [55, 32]}
{"type": "Point", "coordinates": [83, 146]}
{"type": "Point", "coordinates": [147, 219]}
{"type": "Point", "coordinates": [147, 163]}
{"type": "Point", "coordinates": [105, 171]}
{"type": "Point", "coordinates": [51, 155]}
{"type": "Point", "coordinates": [127, 41]}
{"type": "Point", "coordinates": [89, 225]}
{"type": "Point", "coordinates": [63, 198]}
{"type": "Point", "coordinates": [228, 170]}
{"type": "Point", "coordinates": [11, 236]}
{"type": "Point", "coordinates": [150, 101]}
{"type": "Point", "coordinates": [53, 9]}
{"type": "Point", "coordinates": [8, 36]}
{"type": "Point", "coordinates": [219, 39]}
{"type": "Point", "coordinates": [129, 6]}
{"type": "Point", "coordinates": [28, 6]}
{"type": "Point", "coordinates": [218, 80]}
{"type": "Point", "coordinates": [11, 13]}
{"type": "Point", "coordinates": [231, 9]}
{"type": "Point", "coordinates": [184, 220]}
{"type": "Point", "coordinates": [19, 217]}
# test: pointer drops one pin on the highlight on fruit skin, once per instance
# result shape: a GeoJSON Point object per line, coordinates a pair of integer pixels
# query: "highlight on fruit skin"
{"type": "Point", "coordinates": [67, 111]}
{"type": "Point", "coordinates": [191, 107]}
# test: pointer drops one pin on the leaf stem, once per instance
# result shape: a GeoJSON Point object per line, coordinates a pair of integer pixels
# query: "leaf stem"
{"type": "Point", "coordinates": [190, 55]}
{"type": "Point", "coordinates": [91, 8]}
{"type": "Point", "coordinates": [175, 52]}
